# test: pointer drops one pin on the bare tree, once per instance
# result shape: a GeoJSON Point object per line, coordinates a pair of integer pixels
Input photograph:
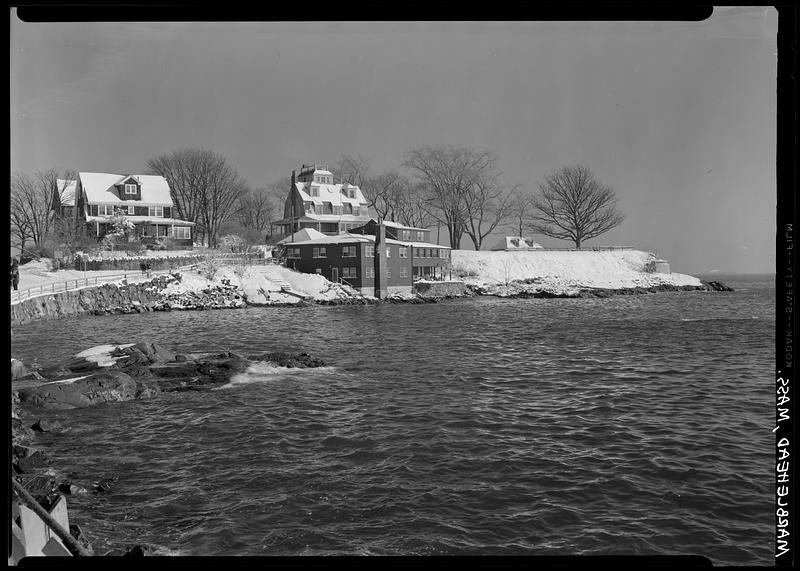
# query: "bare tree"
{"type": "Point", "coordinates": [486, 206]}
{"type": "Point", "coordinates": [520, 208]}
{"type": "Point", "coordinates": [574, 205]}
{"type": "Point", "coordinates": [33, 206]}
{"type": "Point", "coordinates": [411, 209]}
{"type": "Point", "coordinates": [205, 189]}
{"type": "Point", "coordinates": [384, 192]}
{"type": "Point", "coordinates": [448, 174]}
{"type": "Point", "coordinates": [352, 170]}
{"type": "Point", "coordinates": [255, 210]}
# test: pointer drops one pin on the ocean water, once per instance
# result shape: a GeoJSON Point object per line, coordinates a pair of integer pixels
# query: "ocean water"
{"type": "Point", "coordinates": [628, 425]}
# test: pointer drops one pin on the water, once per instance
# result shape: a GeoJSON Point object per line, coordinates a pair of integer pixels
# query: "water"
{"type": "Point", "coordinates": [629, 425]}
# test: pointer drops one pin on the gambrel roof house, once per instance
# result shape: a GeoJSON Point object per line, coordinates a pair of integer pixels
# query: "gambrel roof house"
{"type": "Point", "coordinates": [315, 201]}
{"type": "Point", "coordinates": [144, 199]}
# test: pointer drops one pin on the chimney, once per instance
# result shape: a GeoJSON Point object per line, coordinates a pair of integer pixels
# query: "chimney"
{"type": "Point", "coordinates": [380, 261]}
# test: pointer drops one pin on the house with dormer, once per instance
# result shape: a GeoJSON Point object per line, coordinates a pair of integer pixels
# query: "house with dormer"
{"type": "Point", "coordinates": [145, 200]}
{"type": "Point", "coordinates": [316, 201]}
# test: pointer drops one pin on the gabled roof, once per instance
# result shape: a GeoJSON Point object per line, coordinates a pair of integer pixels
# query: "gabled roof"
{"type": "Point", "coordinates": [66, 191]}
{"type": "Point", "coordinates": [302, 235]}
{"type": "Point", "coordinates": [98, 187]}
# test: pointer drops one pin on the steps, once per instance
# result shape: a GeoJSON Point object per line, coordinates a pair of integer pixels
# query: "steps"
{"type": "Point", "coordinates": [273, 274]}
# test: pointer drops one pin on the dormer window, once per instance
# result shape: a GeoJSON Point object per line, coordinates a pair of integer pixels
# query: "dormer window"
{"type": "Point", "coordinates": [351, 193]}
{"type": "Point", "coordinates": [130, 188]}
{"type": "Point", "coordinates": [314, 191]}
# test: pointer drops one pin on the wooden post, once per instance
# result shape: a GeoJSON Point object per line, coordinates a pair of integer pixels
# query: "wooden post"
{"type": "Point", "coordinates": [69, 542]}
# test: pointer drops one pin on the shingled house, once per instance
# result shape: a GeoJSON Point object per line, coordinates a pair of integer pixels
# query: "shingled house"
{"type": "Point", "coordinates": [315, 201]}
{"type": "Point", "coordinates": [144, 199]}
{"type": "Point", "coordinates": [350, 257]}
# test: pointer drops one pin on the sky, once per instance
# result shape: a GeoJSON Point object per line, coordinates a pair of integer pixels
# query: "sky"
{"type": "Point", "coordinates": [678, 117]}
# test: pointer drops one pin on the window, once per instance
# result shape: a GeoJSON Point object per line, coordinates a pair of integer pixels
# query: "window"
{"type": "Point", "coordinates": [349, 252]}
{"type": "Point", "coordinates": [318, 270]}
{"type": "Point", "coordinates": [130, 188]}
{"type": "Point", "coordinates": [349, 273]}
{"type": "Point", "coordinates": [293, 253]}
{"type": "Point", "coordinates": [356, 211]}
{"type": "Point", "coordinates": [131, 210]}
{"type": "Point", "coordinates": [182, 232]}
{"type": "Point", "coordinates": [403, 252]}
{"type": "Point", "coordinates": [314, 191]}
{"type": "Point", "coordinates": [155, 211]}
{"type": "Point", "coordinates": [369, 251]}
{"type": "Point", "coordinates": [405, 234]}
{"type": "Point", "coordinates": [403, 272]}
{"type": "Point", "coordinates": [370, 272]}
{"type": "Point", "coordinates": [320, 253]}
{"type": "Point", "coordinates": [420, 236]}
{"type": "Point", "coordinates": [309, 207]}
{"type": "Point", "coordinates": [388, 272]}
{"type": "Point", "coordinates": [328, 207]}
{"type": "Point", "coordinates": [388, 251]}
{"type": "Point", "coordinates": [105, 210]}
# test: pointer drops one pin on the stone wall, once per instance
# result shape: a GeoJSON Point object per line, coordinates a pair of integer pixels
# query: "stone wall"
{"type": "Point", "coordinates": [93, 300]}
{"type": "Point", "coordinates": [133, 263]}
{"type": "Point", "coordinates": [442, 289]}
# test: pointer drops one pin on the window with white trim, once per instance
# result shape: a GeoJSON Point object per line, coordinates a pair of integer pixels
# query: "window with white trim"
{"type": "Point", "coordinates": [403, 252]}
{"type": "Point", "coordinates": [369, 251]}
{"type": "Point", "coordinates": [293, 253]}
{"type": "Point", "coordinates": [356, 211]}
{"type": "Point", "coordinates": [320, 253]}
{"type": "Point", "coordinates": [318, 270]}
{"type": "Point", "coordinates": [314, 191]}
{"type": "Point", "coordinates": [131, 210]}
{"type": "Point", "coordinates": [155, 211]}
{"type": "Point", "coordinates": [182, 232]}
{"type": "Point", "coordinates": [403, 272]}
{"type": "Point", "coordinates": [349, 273]}
{"type": "Point", "coordinates": [420, 236]}
{"type": "Point", "coordinates": [370, 272]}
{"type": "Point", "coordinates": [130, 188]}
{"type": "Point", "coordinates": [388, 251]}
{"type": "Point", "coordinates": [348, 251]}
{"type": "Point", "coordinates": [388, 272]}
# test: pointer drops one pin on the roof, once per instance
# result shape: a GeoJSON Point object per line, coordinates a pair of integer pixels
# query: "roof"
{"type": "Point", "coordinates": [150, 219]}
{"type": "Point", "coordinates": [516, 243]}
{"type": "Point", "coordinates": [348, 238]}
{"type": "Point", "coordinates": [392, 224]}
{"type": "Point", "coordinates": [98, 188]}
{"type": "Point", "coordinates": [301, 235]}
{"type": "Point", "coordinates": [330, 193]}
{"type": "Point", "coordinates": [66, 190]}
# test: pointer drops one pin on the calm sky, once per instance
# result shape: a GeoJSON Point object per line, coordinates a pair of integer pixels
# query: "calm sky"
{"type": "Point", "coordinates": [678, 117]}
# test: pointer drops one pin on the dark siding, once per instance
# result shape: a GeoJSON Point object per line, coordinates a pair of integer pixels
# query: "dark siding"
{"type": "Point", "coordinates": [121, 192]}
{"type": "Point", "coordinates": [167, 212]}
{"type": "Point", "coordinates": [140, 210]}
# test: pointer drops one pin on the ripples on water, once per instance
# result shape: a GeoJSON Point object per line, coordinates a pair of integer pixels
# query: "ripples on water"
{"type": "Point", "coordinates": [629, 425]}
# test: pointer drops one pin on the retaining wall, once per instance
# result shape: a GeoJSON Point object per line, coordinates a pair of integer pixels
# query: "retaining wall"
{"type": "Point", "coordinates": [441, 289]}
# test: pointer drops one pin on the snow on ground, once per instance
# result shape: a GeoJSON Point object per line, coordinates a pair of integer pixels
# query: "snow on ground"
{"type": "Point", "coordinates": [37, 273]}
{"type": "Point", "coordinates": [101, 354]}
{"type": "Point", "coordinates": [564, 270]}
{"type": "Point", "coordinates": [263, 284]}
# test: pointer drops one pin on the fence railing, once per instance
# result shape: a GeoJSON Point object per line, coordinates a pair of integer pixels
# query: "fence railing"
{"type": "Point", "coordinates": [77, 283]}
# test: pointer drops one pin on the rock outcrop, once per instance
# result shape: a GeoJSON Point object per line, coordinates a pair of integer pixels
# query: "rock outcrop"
{"type": "Point", "coordinates": [117, 373]}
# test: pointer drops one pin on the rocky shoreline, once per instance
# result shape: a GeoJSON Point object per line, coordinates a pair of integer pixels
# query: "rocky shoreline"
{"type": "Point", "coordinates": [535, 289]}
{"type": "Point", "coordinates": [107, 374]}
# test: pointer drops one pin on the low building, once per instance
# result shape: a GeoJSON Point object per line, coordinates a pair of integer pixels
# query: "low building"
{"type": "Point", "coordinates": [516, 243]}
{"type": "Point", "coordinates": [351, 258]}
{"type": "Point", "coordinates": [145, 200]}
{"type": "Point", "coordinates": [315, 201]}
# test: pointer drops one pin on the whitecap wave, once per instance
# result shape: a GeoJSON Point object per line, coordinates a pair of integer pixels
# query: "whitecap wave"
{"type": "Point", "coordinates": [264, 371]}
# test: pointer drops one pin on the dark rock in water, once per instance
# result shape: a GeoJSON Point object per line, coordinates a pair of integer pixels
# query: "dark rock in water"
{"type": "Point", "coordinates": [105, 485]}
{"type": "Point", "coordinates": [137, 551]}
{"type": "Point", "coordinates": [68, 488]}
{"type": "Point", "coordinates": [43, 426]}
{"type": "Point", "coordinates": [291, 360]}
{"type": "Point", "coordinates": [180, 358]}
{"type": "Point", "coordinates": [104, 386]}
{"type": "Point", "coordinates": [716, 286]}
{"type": "Point", "coordinates": [36, 459]}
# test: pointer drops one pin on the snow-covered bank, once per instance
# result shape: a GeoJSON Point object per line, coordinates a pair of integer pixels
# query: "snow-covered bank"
{"type": "Point", "coordinates": [563, 271]}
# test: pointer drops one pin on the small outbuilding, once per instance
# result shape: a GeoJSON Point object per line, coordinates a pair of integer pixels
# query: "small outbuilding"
{"type": "Point", "coordinates": [514, 243]}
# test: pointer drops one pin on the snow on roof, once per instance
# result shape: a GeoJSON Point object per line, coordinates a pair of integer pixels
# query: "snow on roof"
{"type": "Point", "coordinates": [66, 190]}
{"type": "Point", "coordinates": [303, 235]}
{"type": "Point", "coordinates": [392, 224]}
{"type": "Point", "coordinates": [330, 193]}
{"type": "Point", "coordinates": [98, 187]}
{"type": "Point", "coordinates": [516, 243]}
{"type": "Point", "coordinates": [347, 238]}
{"type": "Point", "coordinates": [150, 219]}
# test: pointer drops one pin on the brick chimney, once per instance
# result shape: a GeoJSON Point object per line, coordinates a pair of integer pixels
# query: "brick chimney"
{"type": "Point", "coordinates": [381, 290]}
